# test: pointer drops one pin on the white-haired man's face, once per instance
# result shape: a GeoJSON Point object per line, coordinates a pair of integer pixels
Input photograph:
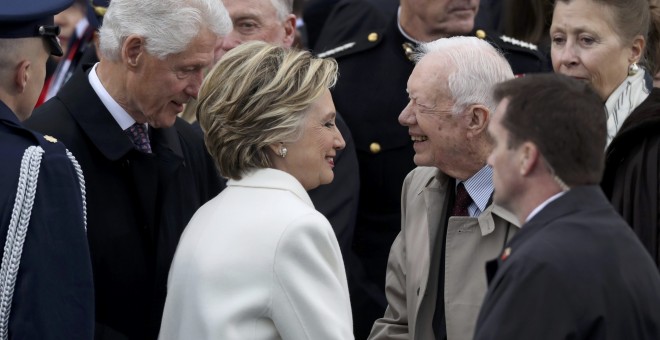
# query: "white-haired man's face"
{"type": "Point", "coordinates": [255, 20]}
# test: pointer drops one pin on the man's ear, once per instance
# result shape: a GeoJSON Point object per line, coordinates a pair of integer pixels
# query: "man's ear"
{"type": "Point", "coordinates": [289, 30]}
{"type": "Point", "coordinates": [529, 158]}
{"type": "Point", "coordinates": [132, 50]}
{"type": "Point", "coordinates": [22, 75]}
{"type": "Point", "coordinates": [477, 119]}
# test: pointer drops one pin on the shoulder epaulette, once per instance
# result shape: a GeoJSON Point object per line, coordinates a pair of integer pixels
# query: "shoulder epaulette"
{"type": "Point", "coordinates": [505, 41]}
{"type": "Point", "coordinates": [363, 42]}
{"type": "Point", "coordinates": [517, 42]}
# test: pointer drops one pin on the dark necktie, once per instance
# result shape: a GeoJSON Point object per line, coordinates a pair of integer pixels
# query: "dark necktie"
{"type": "Point", "coordinates": [139, 137]}
{"type": "Point", "coordinates": [462, 201]}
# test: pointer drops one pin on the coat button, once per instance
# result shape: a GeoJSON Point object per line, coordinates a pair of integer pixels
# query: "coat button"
{"type": "Point", "coordinates": [372, 37]}
{"type": "Point", "coordinates": [480, 34]}
{"type": "Point", "coordinates": [374, 148]}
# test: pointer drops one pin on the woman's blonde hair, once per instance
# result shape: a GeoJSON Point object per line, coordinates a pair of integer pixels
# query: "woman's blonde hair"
{"type": "Point", "coordinates": [258, 95]}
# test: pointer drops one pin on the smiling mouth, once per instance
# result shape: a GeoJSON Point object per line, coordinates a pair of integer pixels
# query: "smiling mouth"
{"type": "Point", "coordinates": [419, 138]}
{"type": "Point", "coordinates": [331, 161]}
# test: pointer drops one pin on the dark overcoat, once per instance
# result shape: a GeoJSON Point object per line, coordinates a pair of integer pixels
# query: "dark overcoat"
{"type": "Point", "coordinates": [632, 173]}
{"type": "Point", "coordinates": [54, 293]}
{"type": "Point", "coordinates": [574, 271]}
{"type": "Point", "coordinates": [138, 204]}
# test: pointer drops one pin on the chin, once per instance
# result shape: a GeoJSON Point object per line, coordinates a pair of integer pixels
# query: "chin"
{"type": "Point", "coordinates": [420, 161]}
{"type": "Point", "coordinates": [327, 179]}
{"type": "Point", "coordinates": [165, 120]}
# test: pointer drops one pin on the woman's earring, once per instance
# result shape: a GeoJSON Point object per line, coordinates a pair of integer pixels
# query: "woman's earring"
{"type": "Point", "coordinates": [633, 69]}
{"type": "Point", "coordinates": [283, 151]}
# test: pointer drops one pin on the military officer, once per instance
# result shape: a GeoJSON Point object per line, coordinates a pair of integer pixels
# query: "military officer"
{"type": "Point", "coordinates": [46, 269]}
{"type": "Point", "coordinates": [374, 56]}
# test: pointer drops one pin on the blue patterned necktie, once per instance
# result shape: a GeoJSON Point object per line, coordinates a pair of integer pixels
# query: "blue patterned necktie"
{"type": "Point", "coordinates": [139, 137]}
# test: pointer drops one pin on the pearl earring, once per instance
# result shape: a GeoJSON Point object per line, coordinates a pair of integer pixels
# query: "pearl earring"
{"type": "Point", "coordinates": [633, 69]}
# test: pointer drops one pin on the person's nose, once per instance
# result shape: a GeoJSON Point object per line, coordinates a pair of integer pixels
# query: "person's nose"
{"type": "Point", "coordinates": [407, 117]}
{"type": "Point", "coordinates": [568, 55]}
{"type": "Point", "coordinates": [229, 42]}
{"type": "Point", "coordinates": [339, 142]}
{"type": "Point", "coordinates": [195, 83]}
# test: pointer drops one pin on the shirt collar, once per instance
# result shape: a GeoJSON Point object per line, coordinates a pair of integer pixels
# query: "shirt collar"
{"type": "Point", "coordinates": [543, 205]}
{"type": "Point", "coordinates": [118, 113]}
{"type": "Point", "coordinates": [480, 187]}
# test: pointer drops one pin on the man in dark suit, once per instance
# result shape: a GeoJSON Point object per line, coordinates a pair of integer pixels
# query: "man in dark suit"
{"type": "Point", "coordinates": [575, 270]}
{"type": "Point", "coordinates": [147, 171]}
{"type": "Point", "coordinates": [46, 287]}
{"type": "Point", "coordinates": [374, 53]}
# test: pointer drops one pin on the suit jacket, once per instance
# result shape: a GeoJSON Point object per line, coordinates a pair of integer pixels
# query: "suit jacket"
{"type": "Point", "coordinates": [574, 271]}
{"type": "Point", "coordinates": [258, 262]}
{"type": "Point", "coordinates": [54, 293]}
{"type": "Point", "coordinates": [137, 203]}
{"type": "Point", "coordinates": [412, 273]}
{"type": "Point", "coordinates": [631, 179]}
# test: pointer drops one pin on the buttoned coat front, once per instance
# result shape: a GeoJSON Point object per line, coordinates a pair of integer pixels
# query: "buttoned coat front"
{"type": "Point", "coordinates": [412, 273]}
{"type": "Point", "coordinates": [258, 262]}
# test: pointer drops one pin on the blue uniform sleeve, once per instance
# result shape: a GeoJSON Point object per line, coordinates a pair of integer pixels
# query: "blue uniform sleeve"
{"type": "Point", "coordinates": [54, 295]}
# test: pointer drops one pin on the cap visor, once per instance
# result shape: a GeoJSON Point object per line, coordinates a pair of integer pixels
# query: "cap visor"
{"type": "Point", "coordinates": [55, 48]}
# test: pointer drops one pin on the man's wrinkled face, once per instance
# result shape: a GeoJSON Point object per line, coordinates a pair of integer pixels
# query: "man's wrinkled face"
{"type": "Point", "coordinates": [158, 89]}
{"type": "Point", "coordinates": [254, 20]}
{"type": "Point", "coordinates": [438, 134]}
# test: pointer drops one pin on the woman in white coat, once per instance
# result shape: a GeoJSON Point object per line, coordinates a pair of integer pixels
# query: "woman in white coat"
{"type": "Point", "coordinates": [258, 261]}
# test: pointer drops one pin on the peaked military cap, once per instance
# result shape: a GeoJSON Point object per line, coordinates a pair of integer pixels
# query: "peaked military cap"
{"type": "Point", "coordinates": [32, 18]}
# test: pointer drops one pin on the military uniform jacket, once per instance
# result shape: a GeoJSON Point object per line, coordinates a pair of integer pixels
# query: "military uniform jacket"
{"type": "Point", "coordinates": [412, 272]}
{"type": "Point", "coordinates": [138, 204]}
{"type": "Point", "coordinates": [54, 293]}
{"type": "Point", "coordinates": [574, 271]}
{"type": "Point", "coordinates": [370, 94]}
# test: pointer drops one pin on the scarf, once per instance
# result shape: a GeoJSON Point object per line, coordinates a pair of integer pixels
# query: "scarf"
{"type": "Point", "coordinates": [624, 100]}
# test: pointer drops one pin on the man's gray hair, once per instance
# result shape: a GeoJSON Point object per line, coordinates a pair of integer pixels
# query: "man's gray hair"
{"type": "Point", "coordinates": [283, 8]}
{"type": "Point", "coordinates": [168, 26]}
{"type": "Point", "coordinates": [478, 68]}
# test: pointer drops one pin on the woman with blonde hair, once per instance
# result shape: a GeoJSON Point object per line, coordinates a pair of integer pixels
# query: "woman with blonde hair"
{"type": "Point", "coordinates": [258, 261]}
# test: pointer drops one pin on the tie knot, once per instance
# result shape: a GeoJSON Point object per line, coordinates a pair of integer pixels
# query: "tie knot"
{"type": "Point", "coordinates": [461, 202]}
{"type": "Point", "coordinates": [138, 135]}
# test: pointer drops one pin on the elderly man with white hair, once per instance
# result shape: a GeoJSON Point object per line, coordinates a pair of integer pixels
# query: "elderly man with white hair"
{"type": "Point", "coordinates": [435, 275]}
{"type": "Point", "coordinates": [147, 171]}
